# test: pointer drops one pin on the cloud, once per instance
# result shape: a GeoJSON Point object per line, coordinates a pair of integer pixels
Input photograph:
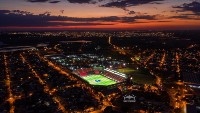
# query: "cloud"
{"type": "Point", "coordinates": [128, 3]}
{"type": "Point", "coordinates": [37, 0]}
{"type": "Point", "coordinates": [41, 1]}
{"type": "Point", "coordinates": [164, 21]}
{"type": "Point", "coordinates": [131, 12]}
{"type": "Point", "coordinates": [194, 7]}
{"type": "Point", "coordinates": [4, 11]}
{"type": "Point", "coordinates": [54, 1]}
{"type": "Point", "coordinates": [146, 17]}
{"type": "Point", "coordinates": [105, 19]}
{"type": "Point", "coordinates": [27, 19]}
{"type": "Point", "coordinates": [23, 18]}
{"type": "Point", "coordinates": [85, 1]}
{"type": "Point", "coordinates": [70, 1]}
{"type": "Point", "coordinates": [80, 1]}
{"type": "Point", "coordinates": [186, 17]}
{"type": "Point", "coordinates": [124, 19]}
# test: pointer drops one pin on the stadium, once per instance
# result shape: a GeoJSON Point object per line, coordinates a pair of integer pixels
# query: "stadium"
{"type": "Point", "coordinates": [104, 77]}
{"type": "Point", "coordinates": [94, 72]}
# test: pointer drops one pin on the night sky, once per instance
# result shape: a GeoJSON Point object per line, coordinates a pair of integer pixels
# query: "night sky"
{"type": "Point", "coordinates": [100, 14]}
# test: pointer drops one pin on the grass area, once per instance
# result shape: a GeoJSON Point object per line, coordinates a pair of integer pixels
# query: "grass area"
{"type": "Point", "coordinates": [139, 76]}
{"type": "Point", "coordinates": [98, 80]}
{"type": "Point", "coordinates": [143, 79]}
{"type": "Point", "coordinates": [126, 70]}
{"type": "Point", "coordinates": [137, 58]}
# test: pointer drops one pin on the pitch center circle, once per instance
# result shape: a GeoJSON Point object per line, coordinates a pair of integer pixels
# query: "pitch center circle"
{"type": "Point", "coordinates": [97, 80]}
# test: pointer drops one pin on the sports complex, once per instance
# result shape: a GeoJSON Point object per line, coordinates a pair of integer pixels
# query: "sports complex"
{"type": "Point", "coordinates": [94, 72]}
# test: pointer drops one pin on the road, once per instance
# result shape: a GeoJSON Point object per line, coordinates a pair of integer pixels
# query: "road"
{"type": "Point", "coordinates": [177, 93]}
{"type": "Point", "coordinates": [177, 64]}
{"type": "Point", "coordinates": [47, 90]}
{"type": "Point", "coordinates": [162, 60]}
{"type": "Point", "coordinates": [11, 97]}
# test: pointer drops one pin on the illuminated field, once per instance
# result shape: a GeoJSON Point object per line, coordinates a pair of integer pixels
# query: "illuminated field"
{"type": "Point", "coordinates": [126, 70]}
{"type": "Point", "coordinates": [99, 80]}
{"type": "Point", "coordinates": [140, 77]}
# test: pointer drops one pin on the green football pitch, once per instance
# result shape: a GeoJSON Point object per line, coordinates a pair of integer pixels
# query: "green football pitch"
{"type": "Point", "coordinates": [98, 80]}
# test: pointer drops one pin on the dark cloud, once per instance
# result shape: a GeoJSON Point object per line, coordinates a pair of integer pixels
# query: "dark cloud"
{"type": "Point", "coordinates": [125, 19]}
{"type": "Point", "coordinates": [85, 1]}
{"type": "Point", "coordinates": [50, 1]}
{"type": "Point", "coordinates": [81, 1]}
{"type": "Point", "coordinates": [4, 11]}
{"type": "Point", "coordinates": [105, 19]}
{"type": "Point", "coordinates": [163, 21]}
{"type": "Point", "coordinates": [128, 3]}
{"type": "Point", "coordinates": [17, 12]}
{"type": "Point", "coordinates": [37, 0]}
{"type": "Point", "coordinates": [146, 17]}
{"type": "Point", "coordinates": [54, 1]}
{"type": "Point", "coordinates": [186, 17]}
{"type": "Point", "coordinates": [180, 17]}
{"type": "Point", "coordinates": [70, 1]}
{"type": "Point", "coordinates": [23, 18]}
{"type": "Point", "coordinates": [194, 7]}
{"type": "Point", "coordinates": [131, 12]}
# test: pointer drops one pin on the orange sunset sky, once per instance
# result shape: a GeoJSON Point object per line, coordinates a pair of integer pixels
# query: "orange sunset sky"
{"type": "Point", "coordinates": [100, 14]}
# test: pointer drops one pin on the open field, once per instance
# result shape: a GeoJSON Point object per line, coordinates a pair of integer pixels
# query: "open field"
{"type": "Point", "coordinates": [139, 76]}
{"type": "Point", "coordinates": [126, 70]}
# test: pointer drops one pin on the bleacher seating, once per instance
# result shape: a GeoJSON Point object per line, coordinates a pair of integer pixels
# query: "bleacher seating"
{"type": "Point", "coordinates": [114, 77]}
{"type": "Point", "coordinates": [84, 71]}
{"type": "Point", "coordinates": [96, 71]}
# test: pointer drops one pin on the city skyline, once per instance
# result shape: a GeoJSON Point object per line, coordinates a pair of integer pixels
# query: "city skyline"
{"type": "Point", "coordinates": [100, 14]}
